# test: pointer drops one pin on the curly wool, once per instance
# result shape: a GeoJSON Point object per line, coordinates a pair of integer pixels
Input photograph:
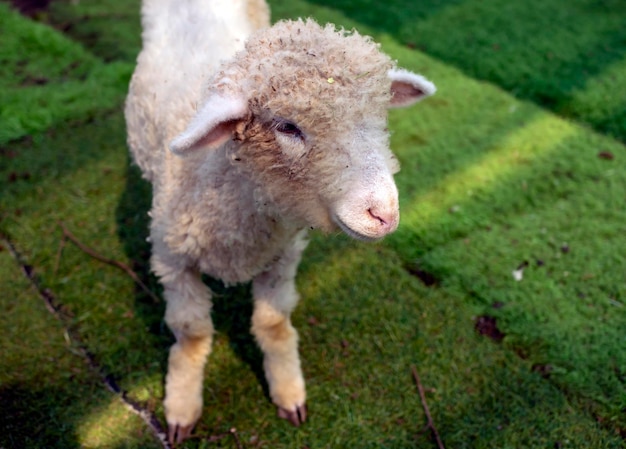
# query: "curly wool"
{"type": "Point", "coordinates": [312, 75]}
{"type": "Point", "coordinates": [329, 82]}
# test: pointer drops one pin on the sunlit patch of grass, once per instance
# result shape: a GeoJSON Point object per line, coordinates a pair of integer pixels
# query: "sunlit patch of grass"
{"type": "Point", "coordinates": [525, 146]}
{"type": "Point", "coordinates": [113, 426]}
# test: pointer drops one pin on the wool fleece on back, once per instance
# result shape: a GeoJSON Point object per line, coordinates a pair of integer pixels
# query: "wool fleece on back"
{"type": "Point", "coordinates": [251, 136]}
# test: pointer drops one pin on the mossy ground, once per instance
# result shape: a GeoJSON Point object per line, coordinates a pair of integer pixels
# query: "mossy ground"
{"type": "Point", "coordinates": [518, 161]}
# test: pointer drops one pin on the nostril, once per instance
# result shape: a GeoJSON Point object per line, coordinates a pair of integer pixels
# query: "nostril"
{"type": "Point", "coordinates": [374, 215]}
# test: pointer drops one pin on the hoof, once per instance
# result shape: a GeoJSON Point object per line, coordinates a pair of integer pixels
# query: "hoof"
{"type": "Point", "coordinates": [177, 434]}
{"type": "Point", "coordinates": [295, 417]}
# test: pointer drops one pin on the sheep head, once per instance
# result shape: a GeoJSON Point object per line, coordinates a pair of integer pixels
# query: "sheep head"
{"type": "Point", "coordinates": [302, 111]}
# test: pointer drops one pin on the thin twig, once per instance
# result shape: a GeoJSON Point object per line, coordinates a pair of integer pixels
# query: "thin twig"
{"type": "Point", "coordinates": [77, 346]}
{"type": "Point", "coordinates": [91, 252]}
{"type": "Point", "coordinates": [220, 436]}
{"type": "Point", "coordinates": [57, 259]}
{"type": "Point", "coordinates": [233, 431]}
{"type": "Point", "coordinates": [430, 423]}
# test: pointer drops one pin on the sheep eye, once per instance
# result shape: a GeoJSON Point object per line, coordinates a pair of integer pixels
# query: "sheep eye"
{"type": "Point", "coordinates": [289, 129]}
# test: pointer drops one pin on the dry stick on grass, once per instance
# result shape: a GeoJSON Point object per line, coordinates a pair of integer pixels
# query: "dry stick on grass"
{"type": "Point", "coordinates": [89, 251]}
{"type": "Point", "coordinates": [215, 438]}
{"type": "Point", "coordinates": [430, 423]}
{"type": "Point", "coordinates": [57, 259]}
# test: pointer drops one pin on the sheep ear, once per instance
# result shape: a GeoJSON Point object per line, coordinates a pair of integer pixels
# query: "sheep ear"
{"type": "Point", "coordinates": [212, 126]}
{"type": "Point", "coordinates": [408, 88]}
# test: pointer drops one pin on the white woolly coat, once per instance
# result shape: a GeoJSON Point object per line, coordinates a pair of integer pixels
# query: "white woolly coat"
{"type": "Point", "coordinates": [231, 209]}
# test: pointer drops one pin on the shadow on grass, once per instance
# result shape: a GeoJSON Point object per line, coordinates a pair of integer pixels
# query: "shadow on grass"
{"type": "Point", "coordinates": [56, 416]}
{"type": "Point", "coordinates": [25, 423]}
{"type": "Point", "coordinates": [109, 29]}
{"type": "Point", "coordinates": [545, 51]}
{"type": "Point", "coordinates": [50, 417]}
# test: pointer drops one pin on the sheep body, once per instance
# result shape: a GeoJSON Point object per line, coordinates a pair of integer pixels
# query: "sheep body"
{"type": "Point", "coordinates": [271, 132]}
{"type": "Point", "coordinates": [162, 100]}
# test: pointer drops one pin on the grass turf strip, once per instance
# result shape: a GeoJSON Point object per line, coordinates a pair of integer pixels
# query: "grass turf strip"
{"type": "Point", "coordinates": [488, 182]}
{"type": "Point", "coordinates": [570, 58]}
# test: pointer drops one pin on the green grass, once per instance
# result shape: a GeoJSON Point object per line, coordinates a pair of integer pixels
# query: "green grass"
{"type": "Point", "coordinates": [501, 167]}
{"type": "Point", "coordinates": [570, 57]}
{"type": "Point", "coordinates": [47, 79]}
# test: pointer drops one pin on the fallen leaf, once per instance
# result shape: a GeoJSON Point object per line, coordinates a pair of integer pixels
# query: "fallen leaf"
{"type": "Point", "coordinates": [607, 155]}
{"type": "Point", "coordinates": [543, 370]}
{"type": "Point", "coordinates": [487, 325]}
{"type": "Point", "coordinates": [428, 279]}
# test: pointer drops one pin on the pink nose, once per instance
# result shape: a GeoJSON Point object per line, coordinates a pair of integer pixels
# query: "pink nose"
{"type": "Point", "coordinates": [388, 221]}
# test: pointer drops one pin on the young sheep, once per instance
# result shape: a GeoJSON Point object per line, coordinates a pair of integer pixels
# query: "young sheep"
{"type": "Point", "coordinates": [270, 133]}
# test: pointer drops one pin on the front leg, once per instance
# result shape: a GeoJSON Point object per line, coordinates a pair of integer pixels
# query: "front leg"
{"type": "Point", "coordinates": [188, 308]}
{"type": "Point", "coordinates": [275, 297]}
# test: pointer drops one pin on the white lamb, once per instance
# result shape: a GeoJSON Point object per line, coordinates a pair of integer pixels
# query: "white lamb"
{"type": "Point", "coordinates": [270, 133]}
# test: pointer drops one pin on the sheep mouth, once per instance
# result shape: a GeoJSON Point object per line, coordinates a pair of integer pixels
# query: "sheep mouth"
{"type": "Point", "coordinates": [353, 233]}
